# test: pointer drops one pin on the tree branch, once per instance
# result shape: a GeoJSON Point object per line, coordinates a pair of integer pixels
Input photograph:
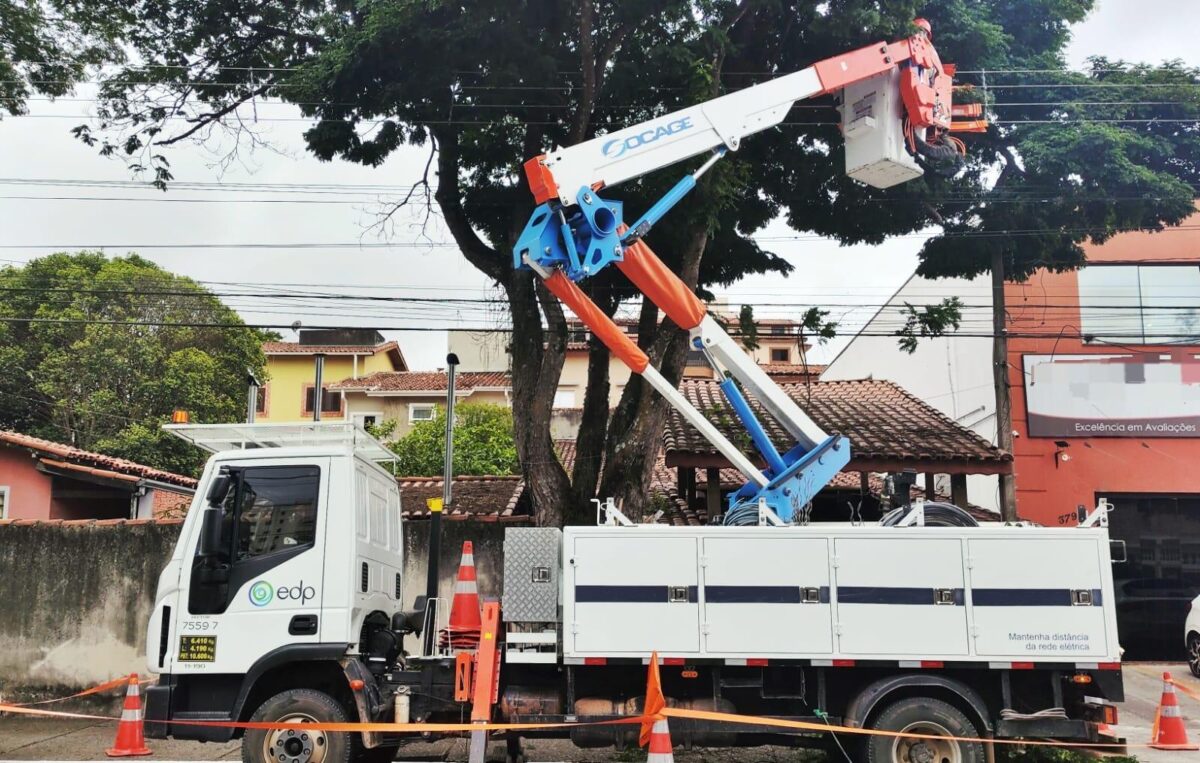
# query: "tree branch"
{"type": "Point", "coordinates": [449, 199]}
{"type": "Point", "coordinates": [212, 117]}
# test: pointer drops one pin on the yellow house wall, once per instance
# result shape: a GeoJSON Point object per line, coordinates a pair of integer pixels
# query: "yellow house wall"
{"type": "Point", "coordinates": [290, 374]}
{"type": "Point", "coordinates": [573, 381]}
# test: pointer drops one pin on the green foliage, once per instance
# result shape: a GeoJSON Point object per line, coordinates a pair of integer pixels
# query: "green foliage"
{"type": "Point", "coordinates": [813, 324]}
{"type": "Point", "coordinates": [46, 45]}
{"type": "Point", "coordinates": [107, 385]}
{"type": "Point", "coordinates": [928, 321]}
{"type": "Point", "coordinates": [483, 442]}
{"type": "Point", "coordinates": [747, 328]}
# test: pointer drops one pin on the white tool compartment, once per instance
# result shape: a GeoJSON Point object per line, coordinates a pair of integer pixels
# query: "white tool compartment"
{"type": "Point", "coordinates": [840, 592]}
{"type": "Point", "coordinates": [900, 594]}
{"type": "Point", "coordinates": [631, 590]}
{"type": "Point", "coordinates": [780, 583]}
{"type": "Point", "coordinates": [1050, 587]}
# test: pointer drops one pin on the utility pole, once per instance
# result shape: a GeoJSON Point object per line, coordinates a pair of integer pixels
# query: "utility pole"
{"type": "Point", "coordinates": [1004, 430]}
{"type": "Point", "coordinates": [251, 395]}
{"type": "Point", "coordinates": [435, 515]}
{"type": "Point", "coordinates": [318, 383]}
{"type": "Point", "coordinates": [448, 464]}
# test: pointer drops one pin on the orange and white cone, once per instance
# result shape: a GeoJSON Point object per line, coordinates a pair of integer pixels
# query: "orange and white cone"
{"type": "Point", "coordinates": [660, 744]}
{"type": "Point", "coordinates": [131, 739]}
{"type": "Point", "coordinates": [465, 618]}
{"type": "Point", "coordinates": [1170, 733]}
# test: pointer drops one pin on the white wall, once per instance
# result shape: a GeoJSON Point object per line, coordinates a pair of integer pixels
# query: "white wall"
{"type": "Point", "coordinates": [952, 374]}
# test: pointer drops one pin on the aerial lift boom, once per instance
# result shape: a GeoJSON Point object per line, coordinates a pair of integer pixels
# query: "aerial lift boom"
{"type": "Point", "coordinates": [895, 105]}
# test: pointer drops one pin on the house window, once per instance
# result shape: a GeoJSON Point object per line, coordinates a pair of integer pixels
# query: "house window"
{"type": "Point", "coordinates": [331, 401]}
{"type": "Point", "coordinates": [420, 412]}
{"type": "Point", "coordinates": [696, 358]}
{"type": "Point", "coordinates": [365, 420]}
{"type": "Point", "coordinates": [1140, 304]}
{"type": "Point", "coordinates": [4, 501]}
{"type": "Point", "coordinates": [781, 355]}
{"type": "Point", "coordinates": [260, 403]}
{"type": "Point", "coordinates": [564, 398]}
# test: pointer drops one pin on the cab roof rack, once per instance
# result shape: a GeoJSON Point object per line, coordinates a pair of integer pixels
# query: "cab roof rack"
{"type": "Point", "coordinates": [216, 438]}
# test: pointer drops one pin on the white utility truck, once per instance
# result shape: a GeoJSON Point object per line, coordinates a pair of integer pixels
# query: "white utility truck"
{"type": "Point", "coordinates": [282, 599]}
{"type": "Point", "coordinates": [282, 602]}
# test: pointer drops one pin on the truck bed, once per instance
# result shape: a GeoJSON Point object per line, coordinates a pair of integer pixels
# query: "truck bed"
{"type": "Point", "coordinates": [835, 594]}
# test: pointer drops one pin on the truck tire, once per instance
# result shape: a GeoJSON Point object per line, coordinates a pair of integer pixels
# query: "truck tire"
{"type": "Point", "coordinates": [291, 746]}
{"type": "Point", "coordinates": [923, 715]}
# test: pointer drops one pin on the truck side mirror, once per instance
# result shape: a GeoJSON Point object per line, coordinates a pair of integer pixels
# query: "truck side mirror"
{"type": "Point", "coordinates": [210, 532]}
{"type": "Point", "coordinates": [219, 488]}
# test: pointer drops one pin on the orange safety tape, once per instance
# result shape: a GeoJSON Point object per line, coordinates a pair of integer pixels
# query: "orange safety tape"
{"type": "Point", "coordinates": [752, 720]}
{"type": "Point", "coordinates": [1192, 693]}
{"type": "Point", "coordinates": [669, 712]}
{"type": "Point", "coordinates": [115, 683]}
{"type": "Point", "coordinates": [415, 728]}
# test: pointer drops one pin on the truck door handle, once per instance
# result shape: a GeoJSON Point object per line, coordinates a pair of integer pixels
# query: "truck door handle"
{"type": "Point", "coordinates": [303, 625]}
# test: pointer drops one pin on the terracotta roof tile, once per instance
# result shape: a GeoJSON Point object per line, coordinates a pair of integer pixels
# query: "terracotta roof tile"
{"type": "Point", "coordinates": [494, 498]}
{"type": "Point", "coordinates": [424, 381]}
{"type": "Point", "coordinates": [807, 369]}
{"type": "Point", "coordinates": [296, 348]}
{"type": "Point", "coordinates": [881, 419]}
{"type": "Point", "coordinates": [88, 458]}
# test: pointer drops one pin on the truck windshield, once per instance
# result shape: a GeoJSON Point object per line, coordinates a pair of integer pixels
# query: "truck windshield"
{"type": "Point", "coordinates": [278, 509]}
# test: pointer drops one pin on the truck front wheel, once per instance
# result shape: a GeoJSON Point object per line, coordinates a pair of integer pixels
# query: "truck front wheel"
{"type": "Point", "coordinates": [291, 745]}
{"type": "Point", "coordinates": [927, 717]}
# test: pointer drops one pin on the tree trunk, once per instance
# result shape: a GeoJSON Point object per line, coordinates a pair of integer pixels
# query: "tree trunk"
{"type": "Point", "coordinates": [1004, 430]}
{"type": "Point", "coordinates": [537, 357]}
{"type": "Point", "coordinates": [635, 432]}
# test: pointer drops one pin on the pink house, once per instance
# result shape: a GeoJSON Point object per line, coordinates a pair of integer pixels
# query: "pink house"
{"type": "Point", "coordinates": [40, 479]}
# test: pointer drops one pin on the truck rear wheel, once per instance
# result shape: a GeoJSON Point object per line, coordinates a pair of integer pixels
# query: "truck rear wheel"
{"type": "Point", "coordinates": [928, 717]}
{"type": "Point", "coordinates": [290, 745]}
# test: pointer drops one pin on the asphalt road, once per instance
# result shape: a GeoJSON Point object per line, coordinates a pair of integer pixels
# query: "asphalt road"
{"type": "Point", "coordinates": [50, 739]}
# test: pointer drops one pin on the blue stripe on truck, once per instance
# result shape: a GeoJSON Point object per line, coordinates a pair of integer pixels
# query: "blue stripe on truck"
{"type": "Point", "coordinates": [1028, 597]}
{"type": "Point", "coordinates": [887, 595]}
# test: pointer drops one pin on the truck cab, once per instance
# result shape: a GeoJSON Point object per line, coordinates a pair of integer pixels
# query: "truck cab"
{"type": "Point", "coordinates": [291, 555]}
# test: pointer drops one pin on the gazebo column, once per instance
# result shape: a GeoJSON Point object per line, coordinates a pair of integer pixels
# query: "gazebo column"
{"type": "Point", "coordinates": [713, 491]}
{"type": "Point", "coordinates": [958, 490]}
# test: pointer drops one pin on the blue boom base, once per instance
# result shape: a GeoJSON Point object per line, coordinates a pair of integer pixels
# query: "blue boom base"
{"type": "Point", "coordinates": [581, 243]}
{"type": "Point", "coordinates": [790, 491]}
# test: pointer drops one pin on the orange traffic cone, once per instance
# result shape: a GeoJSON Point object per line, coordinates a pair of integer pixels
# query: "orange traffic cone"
{"type": "Point", "coordinates": [131, 739]}
{"type": "Point", "coordinates": [465, 619]}
{"type": "Point", "coordinates": [1170, 733]}
{"type": "Point", "coordinates": [660, 744]}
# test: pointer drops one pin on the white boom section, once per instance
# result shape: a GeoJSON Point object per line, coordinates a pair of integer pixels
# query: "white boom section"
{"type": "Point", "coordinates": [743, 368]}
{"type": "Point", "coordinates": [705, 427]}
{"type": "Point", "coordinates": [635, 151]}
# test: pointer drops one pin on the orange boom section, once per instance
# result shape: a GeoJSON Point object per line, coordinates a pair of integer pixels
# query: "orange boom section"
{"type": "Point", "coordinates": [594, 318]}
{"type": "Point", "coordinates": [642, 266]}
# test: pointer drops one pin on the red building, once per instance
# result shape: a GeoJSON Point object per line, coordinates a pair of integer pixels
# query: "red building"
{"type": "Point", "coordinates": [1106, 404]}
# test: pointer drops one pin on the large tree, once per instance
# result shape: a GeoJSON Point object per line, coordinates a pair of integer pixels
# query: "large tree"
{"type": "Point", "coordinates": [485, 84]}
{"type": "Point", "coordinates": [97, 352]}
{"type": "Point", "coordinates": [46, 47]}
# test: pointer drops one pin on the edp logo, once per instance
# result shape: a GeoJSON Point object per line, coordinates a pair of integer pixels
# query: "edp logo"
{"type": "Point", "coordinates": [262, 593]}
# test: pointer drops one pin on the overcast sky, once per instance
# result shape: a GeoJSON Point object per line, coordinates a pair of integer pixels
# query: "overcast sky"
{"type": "Point", "coordinates": [404, 262]}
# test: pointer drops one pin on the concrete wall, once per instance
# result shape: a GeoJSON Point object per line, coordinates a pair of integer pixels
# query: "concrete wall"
{"type": "Point", "coordinates": [75, 596]}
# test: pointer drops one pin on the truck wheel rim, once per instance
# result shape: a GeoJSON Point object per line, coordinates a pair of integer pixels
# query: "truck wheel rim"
{"type": "Point", "coordinates": [926, 750]}
{"type": "Point", "coordinates": [294, 746]}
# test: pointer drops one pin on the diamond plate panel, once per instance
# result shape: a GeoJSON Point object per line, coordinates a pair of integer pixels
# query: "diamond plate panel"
{"type": "Point", "coordinates": [532, 571]}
